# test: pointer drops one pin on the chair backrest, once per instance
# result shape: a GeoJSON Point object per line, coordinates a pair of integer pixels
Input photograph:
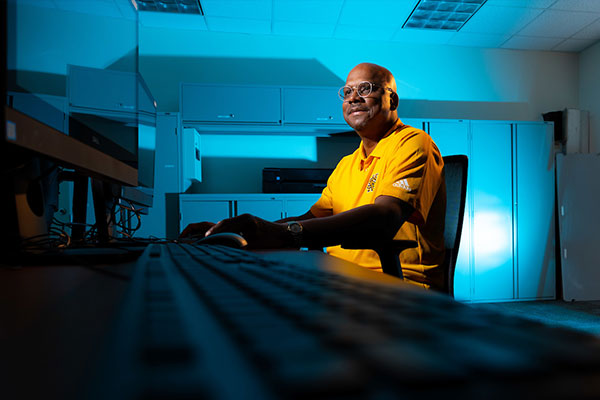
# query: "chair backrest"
{"type": "Point", "coordinates": [455, 170]}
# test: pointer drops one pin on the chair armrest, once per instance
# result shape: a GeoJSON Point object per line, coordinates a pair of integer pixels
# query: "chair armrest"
{"type": "Point", "coordinates": [388, 252]}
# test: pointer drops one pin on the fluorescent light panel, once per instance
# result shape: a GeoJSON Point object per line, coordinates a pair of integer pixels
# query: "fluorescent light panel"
{"type": "Point", "coordinates": [442, 14]}
{"type": "Point", "coordinates": [170, 6]}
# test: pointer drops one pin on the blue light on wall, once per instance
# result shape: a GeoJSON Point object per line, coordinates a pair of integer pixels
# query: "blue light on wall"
{"type": "Point", "coordinates": [260, 146]}
{"type": "Point", "coordinates": [493, 238]}
{"type": "Point", "coordinates": [146, 137]}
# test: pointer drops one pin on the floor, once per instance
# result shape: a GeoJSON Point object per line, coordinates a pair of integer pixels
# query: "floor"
{"type": "Point", "coordinates": [580, 315]}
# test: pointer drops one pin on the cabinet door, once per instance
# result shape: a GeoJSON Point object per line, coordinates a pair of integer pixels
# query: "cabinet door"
{"type": "Point", "coordinates": [202, 210]}
{"type": "Point", "coordinates": [491, 178]}
{"type": "Point", "coordinates": [312, 106]}
{"type": "Point", "coordinates": [535, 211]}
{"type": "Point", "coordinates": [100, 89]}
{"type": "Point", "coordinates": [231, 104]}
{"type": "Point", "coordinates": [579, 229]}
{"type": "Point", "coordinates": [297, 207]}
{"type": "Point", "coordinates": [269, 209]}
{"type": "Point", "coordinates": [165, 180]}
{"type": "Point", "coordinates": [451, 137]}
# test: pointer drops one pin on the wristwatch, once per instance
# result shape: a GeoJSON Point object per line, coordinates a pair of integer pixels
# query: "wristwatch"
{"type": "Point", "coordinates": [295, 229]}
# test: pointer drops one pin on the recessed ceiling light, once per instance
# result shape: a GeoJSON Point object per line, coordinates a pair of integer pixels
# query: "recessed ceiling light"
{"type": "Point", "coordinates": [442, 14]}
{"type": "Point", "coordinates": [170, 6]}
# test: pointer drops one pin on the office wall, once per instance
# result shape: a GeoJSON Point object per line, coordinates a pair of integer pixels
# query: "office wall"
{"type": "Point", "coordinates": [435, 81]}
{"type": "Point", "coordinates": [589, 91]}
{"type": "Point", "coordinates": [49, 39]}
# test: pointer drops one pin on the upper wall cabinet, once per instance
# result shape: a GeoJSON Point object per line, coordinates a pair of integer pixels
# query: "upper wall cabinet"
{"type": "Point", "coordinates": [312, 106]}
{"type": "Point", "coordinates": [112, 94]}
{"type": "Point", "coordinates": [99, 89]}
{"type": "Point", "coordinates": [210, 104]}
{"type": "Point", "coordinates": [288, 110]}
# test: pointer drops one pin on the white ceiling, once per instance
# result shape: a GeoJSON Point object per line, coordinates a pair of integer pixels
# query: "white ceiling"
{"type": "Point", "coordinates": [552, 25]}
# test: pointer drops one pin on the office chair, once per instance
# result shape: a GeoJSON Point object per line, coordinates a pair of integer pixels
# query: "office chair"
{"type": "Point", "coordinates": [455, 172]}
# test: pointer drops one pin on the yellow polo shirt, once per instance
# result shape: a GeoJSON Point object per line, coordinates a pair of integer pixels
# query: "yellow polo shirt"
{"type": "Point", "coordinates": [405, 164]}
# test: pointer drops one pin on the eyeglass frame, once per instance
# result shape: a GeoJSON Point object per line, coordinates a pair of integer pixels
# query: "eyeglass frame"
{"type": "Point", "coordinates": [355, 89]}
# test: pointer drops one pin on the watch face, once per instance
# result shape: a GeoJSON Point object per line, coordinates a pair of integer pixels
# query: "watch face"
{"type": "Point", "coordinates": [295, 227]}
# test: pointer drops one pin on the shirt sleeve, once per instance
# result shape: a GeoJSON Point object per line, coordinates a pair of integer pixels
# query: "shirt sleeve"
{"type": "Point", "coordinates": [413, 173]}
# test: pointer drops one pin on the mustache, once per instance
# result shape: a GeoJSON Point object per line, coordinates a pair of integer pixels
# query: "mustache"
{"type": "Point", "coordinates": [356, 108]}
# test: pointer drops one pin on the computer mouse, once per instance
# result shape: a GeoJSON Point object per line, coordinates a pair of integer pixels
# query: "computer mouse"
{"type": "Point", "coordinates": [228, 239]}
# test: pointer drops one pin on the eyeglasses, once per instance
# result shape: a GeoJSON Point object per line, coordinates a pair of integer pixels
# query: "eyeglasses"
{"type": "Point", "coordinates": [363, 89]}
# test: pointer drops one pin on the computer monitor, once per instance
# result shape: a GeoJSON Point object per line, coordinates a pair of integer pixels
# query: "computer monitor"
{"type": "Point", "coordinates": [100, 104]}
{"type": "Point", "coordinates": [143, 194]}
{"type": "Point", "coordinates": [44, 130]}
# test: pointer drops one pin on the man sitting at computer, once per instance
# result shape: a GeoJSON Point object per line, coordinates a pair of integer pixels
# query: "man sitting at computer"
{"type": "Point", "coordinates": [391, 187]}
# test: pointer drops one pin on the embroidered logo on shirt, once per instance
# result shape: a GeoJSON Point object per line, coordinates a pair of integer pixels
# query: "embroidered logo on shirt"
{"type": "Point", "coordinates": [371, 184]}
{"type": "Point", "coordinates": [402, 184]}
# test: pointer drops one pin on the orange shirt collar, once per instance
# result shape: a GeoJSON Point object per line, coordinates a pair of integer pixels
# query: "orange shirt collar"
{"type": "Point", "coordinates": [378, 150]}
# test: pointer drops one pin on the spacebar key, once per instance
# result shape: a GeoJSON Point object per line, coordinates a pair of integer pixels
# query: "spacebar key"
{"type": "Point", "coordinates": [310, 374]}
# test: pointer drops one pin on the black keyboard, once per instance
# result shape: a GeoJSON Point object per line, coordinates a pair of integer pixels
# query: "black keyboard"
{"type": "Point", "coordinates": [219, 323]}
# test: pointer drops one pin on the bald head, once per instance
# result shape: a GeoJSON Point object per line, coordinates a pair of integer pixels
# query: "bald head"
{"type": "Point", "coordinates": [378, 74]}
{"type": "Point", "coordinates": [373, 114]}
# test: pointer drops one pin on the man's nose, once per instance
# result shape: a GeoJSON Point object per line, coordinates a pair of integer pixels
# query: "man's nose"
{"type": "Point", "coordinates": [354, 97]}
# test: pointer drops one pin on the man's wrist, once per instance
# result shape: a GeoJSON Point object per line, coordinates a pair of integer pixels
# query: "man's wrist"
{"type": "Point", "coordinates": [295, 233]}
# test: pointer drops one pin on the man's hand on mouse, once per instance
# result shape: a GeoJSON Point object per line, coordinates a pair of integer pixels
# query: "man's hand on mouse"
{"type": "Point", "coordinates": [259, 233]}
{"type": "Point", "coordinates": [196, 230]}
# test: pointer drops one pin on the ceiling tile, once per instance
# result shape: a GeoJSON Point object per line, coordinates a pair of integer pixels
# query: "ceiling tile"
{"type": "Point", "coordinates": [238, 25]}
{"type": "Point", "coordinates": [39, 3]}
{"type": "Point", "coordinates": [169, 20]}
{"type": "Point", "coordinates": [520, 3]}
{"type": "Point", "coordinates": [378, 13]}
{"type": "Point", "coordinates": [592, 31]}
{"type": "Point", "coordinates": [531, 43]}
{"type": "Point", "coordinates": [577, 5]}
{"type": "Point", "coordinates": [315, 11]}
{"type": "Point", "coordinates": [126, 8]}
{"type": "Point", "coordinates": [106, 8]}
{"type": "Point", "coordinates": [574, 45]}
{"type": "Point", "coordinates": [253, 9]}
{"type": "Point", "coordinates": [478, 39]}
{"type": "Point", "coordinates": [507, 20]}
{"type": "Point", "coordinates": [558, 24]}
{"type": "Point", "coordinates": [423, 36]}
{"type": "Point", "coordinates": [381, 33]}
{"type": "Point", "coordinates": [303, 29]}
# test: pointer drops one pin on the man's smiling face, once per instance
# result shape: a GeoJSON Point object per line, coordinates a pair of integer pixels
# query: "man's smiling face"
{"type": "Point", "coordinates": [370, 112]}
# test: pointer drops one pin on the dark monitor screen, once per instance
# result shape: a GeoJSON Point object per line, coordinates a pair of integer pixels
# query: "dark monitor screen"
{"type": "Point", "coordinates": [100, 125]}
{"type": "Point", "coordinates": [44, 41]}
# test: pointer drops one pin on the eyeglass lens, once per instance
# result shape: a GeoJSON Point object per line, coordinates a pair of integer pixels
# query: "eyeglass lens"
{"type": "Point", "coordinates": [363, 89]}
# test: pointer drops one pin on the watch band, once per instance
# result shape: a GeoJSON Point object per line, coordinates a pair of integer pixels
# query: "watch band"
{"type": "Point", "coordinates": [295, 229]}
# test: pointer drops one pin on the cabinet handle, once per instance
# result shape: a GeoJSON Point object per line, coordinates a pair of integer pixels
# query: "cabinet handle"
{"type": "Point", "coordinates": [228, 116]}
{"type": "Point", "coordinates": [324, 118]}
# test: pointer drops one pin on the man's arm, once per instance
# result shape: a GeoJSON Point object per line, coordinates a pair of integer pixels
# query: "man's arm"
{"type": "Point", "coordinates": [378, 221]}
{"type": "Point", "coordinates": [303, 217]}
{"type": "Point", "coordinates": [200, 229]}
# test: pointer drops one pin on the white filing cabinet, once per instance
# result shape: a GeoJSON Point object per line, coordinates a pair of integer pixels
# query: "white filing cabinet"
{"type": "Point", "coordinates": [579, 216]}
{"type": "Point", "coordinates": [452, 137]}
{"type": "Point", "coordinates": [534, 211]}
{"type": "Point", "coordinates": [507, 242]}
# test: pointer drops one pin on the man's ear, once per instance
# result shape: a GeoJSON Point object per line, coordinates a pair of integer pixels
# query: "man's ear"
{"type": "Point", "coordinates": [394, 101]}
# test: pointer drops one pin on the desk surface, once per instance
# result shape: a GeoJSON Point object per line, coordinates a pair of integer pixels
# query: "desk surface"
{"type": "Point", "coordinates": [57, 323]}
{"type": "Point", "coordinates": [54, 323]}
